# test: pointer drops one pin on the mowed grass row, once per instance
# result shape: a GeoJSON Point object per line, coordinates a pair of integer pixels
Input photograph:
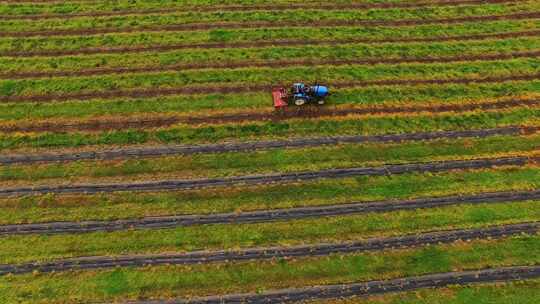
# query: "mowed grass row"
{"type": "Point", "coordinates": [266, 162]}
{"type": "Point", "coordinates": [261, 101]}
{"type": "Point", "coordinates": [231, 36]}
{"type": "Point", "coordinates": [172, 59]}
{"type": "Point", "coordinates": [78, 207]}
{"type": "Point", "coordinates": [283, 129]}
{"type": "Point", "coordinates": [269, 76]}
{"type": "Point", "coordinates": [165, 282]}
{"type": "Point", "coordinates": [525, 292]}
{"type": "Point", "coordinates": [75, 7]}
{"type": "Point", "coordinates": [305, 15]}
{"type": "Point", "coordinates": [163, 121]}
{"type": "Point", "coordinates": [301, 231]}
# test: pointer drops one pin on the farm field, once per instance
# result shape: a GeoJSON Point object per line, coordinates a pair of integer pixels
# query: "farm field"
{"type": "Point", "coordinates": [142, 160]}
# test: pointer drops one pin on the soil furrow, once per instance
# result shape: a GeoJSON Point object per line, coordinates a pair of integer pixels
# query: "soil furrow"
{"type": "Point", "coordinates": [163, 222]}
{"type": "Point", "coordinates": [260, 7]}
{"type": "Point", "coordinates": [307, 112]}
{"type": "Point", "coordinates": [143, 152]}
{"type": "Point", "coordinates": [267, 24]}
{"type": "Point", "coordinates": [364, 288]}
{"type": "Point", "coordinates": [232, 89]}
{"type": "Point", "coordinates": [258, 44]}
{"type": "Point", "coordinates": [197, 257]}
{"type": "Point", "coordinates": [275, 63]}
{"type": "Point", "coordinates": [185, 184]}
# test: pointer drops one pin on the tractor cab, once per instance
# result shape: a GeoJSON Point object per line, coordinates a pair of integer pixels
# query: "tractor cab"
{"type": "Point", "coordinates": [299, 92]}
{"type": "Point", "coordinates": [298, 88]}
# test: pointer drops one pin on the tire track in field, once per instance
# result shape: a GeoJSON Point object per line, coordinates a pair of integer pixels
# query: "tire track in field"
{"type": "Point", "coordinates": [143, 152]}
{"type": "Point", "coordinates": [260, 7]}
{"type": "Point", "coordinates": [198, 257]}
{"type": "Point", "coordinates": [251, 180]}
{"type": "Point", "coordinates": [437, 280]}
{"type": "Point", "coordinates": [266, 64]}
{"type": "Point", "coordinates": [267, 24]}
{"type": "Point", "coordinates": [292, 113]}
{"type": "Point", "coordinates": [258, 44]}
{"type": "Point", "coordinates": [232, 89]}
{"type": "Point", "coordinates": [262, 216]}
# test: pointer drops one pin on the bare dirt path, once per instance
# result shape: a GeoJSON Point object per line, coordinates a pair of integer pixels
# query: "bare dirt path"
{"type": "Point", "coordinates": [156, 151]}
{"type": "Point", "coordinates": [260, 216]}
{"type": "Point", "coordinates": [365, 288]}
{"type": "Point", "coordinates": [198, 257]}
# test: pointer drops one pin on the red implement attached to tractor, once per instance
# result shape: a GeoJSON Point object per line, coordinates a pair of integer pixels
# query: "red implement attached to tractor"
{"type": "Point", "coordinates": [279, 95]}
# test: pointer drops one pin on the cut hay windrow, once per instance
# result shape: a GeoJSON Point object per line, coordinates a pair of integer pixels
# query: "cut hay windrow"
{"type": "Point", "coordinates": [251, 180]}
{"type": "Point", "coordinates": [229, 89]}
{"type": "Point", "coordinates": [273, 63]}
{"type": "Point", "coordinates": [356, 77]}
{"type": "Point", "coordinates": [157, 151]}
{"type": "Point", "coordinates": [200, 257]}
{"type": "Point", "coordinates": [190, 57]}
{"type": "Point", "coordinates": [271, 130]}
{"type": "Point", "coordinates": [267, 43]}
{"type": "Point", "coordinates": [265, 24]}
{"type": "Point", "coordinates": [256, 7]}
{"type": "Point", "coordinates": [213, 105]}
{"type": "Point", "coordinates": [142, 160]}
{"type": "Point", "coordinates": [159, 20]}
{"type": "Point", "coordinates": [262, 216]}
{"type": "Point", "coordinates": [96, 124]}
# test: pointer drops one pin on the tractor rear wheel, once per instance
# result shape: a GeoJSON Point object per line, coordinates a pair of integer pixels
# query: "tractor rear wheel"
{"type": "Point", "coordinates": [299, 102]}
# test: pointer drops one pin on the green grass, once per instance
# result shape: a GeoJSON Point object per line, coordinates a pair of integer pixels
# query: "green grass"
{"type": "Point", "coordinates": [238, 35]}
{"type": "Point", "coordinates": [156, 20]}
{"type": "Point", "coordinates": [185, 281]}
{"type": "Point", "coordinates": [13, 8]}
{"type": "Point", "coordinates": [344, 51]}
{"type": "Point", "coordinates": [390, 95]}
{"type": "Point", "coordinates": [265, 130]}
{"type": "Point", "coordinates": [269, 76]}
{"type": "Point", "coordinates": [275, 160]}
{"type": "Point", "coordinates": [236, 199]}
{"type": "Point", "coordinates": [523, 292]}
{"type": "Point", "coordinates": [226, 236]}
{"type": "Point", "coordinates": [125, 283]}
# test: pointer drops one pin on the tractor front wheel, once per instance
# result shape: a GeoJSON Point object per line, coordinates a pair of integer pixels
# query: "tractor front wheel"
{"type": "Point", "coordinates": [299, 102]}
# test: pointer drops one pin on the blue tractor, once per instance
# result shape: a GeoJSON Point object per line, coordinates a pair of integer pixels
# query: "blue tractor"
{"type": "Point", "coordinates": [299, 94]}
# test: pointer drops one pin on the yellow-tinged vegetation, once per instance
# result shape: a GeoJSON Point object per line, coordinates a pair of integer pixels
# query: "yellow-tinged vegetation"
{"type": "Point", "coordinates": [23, 127]}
